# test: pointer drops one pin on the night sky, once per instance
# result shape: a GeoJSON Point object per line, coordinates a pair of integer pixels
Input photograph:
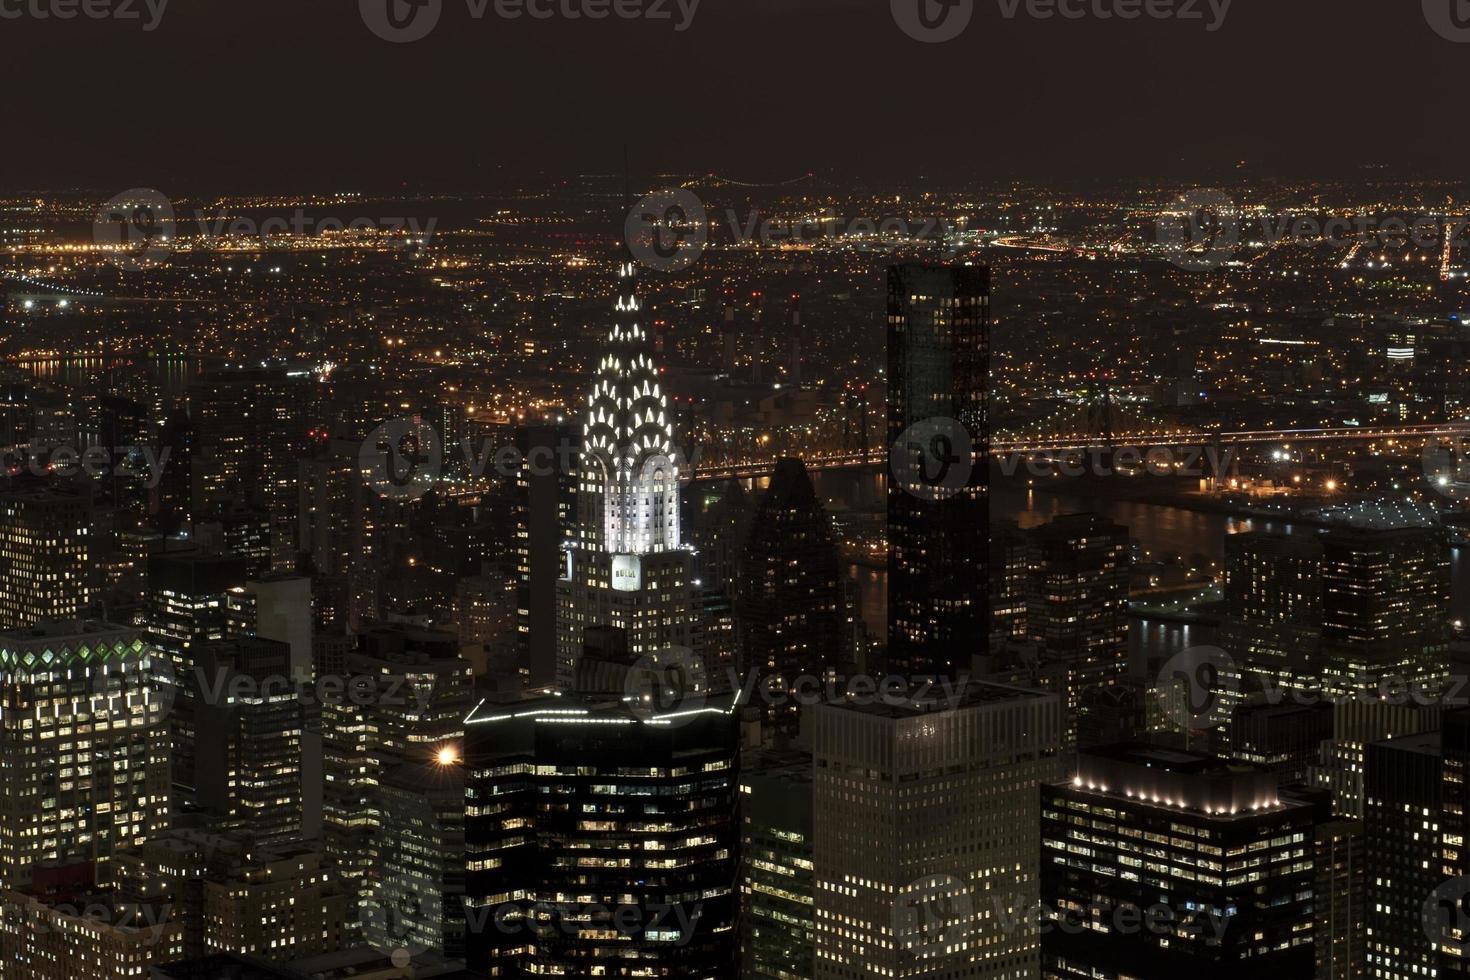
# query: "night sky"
{"type": "Point", "coordinates": [246, 95]}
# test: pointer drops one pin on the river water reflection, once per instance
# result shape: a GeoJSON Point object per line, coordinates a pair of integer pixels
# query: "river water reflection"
{"type": "Point", "coordinates": [1156, 528]}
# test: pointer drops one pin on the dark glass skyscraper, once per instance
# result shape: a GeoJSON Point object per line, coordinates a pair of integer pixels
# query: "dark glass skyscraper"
{"type": "Point", "coordinates": [1157, 863]}
{"type": "Point", "coordinates": [790, 597]}
{"type": "Point", "coordinates": [601, 839]}
{"type": "Point", "coordinates": [938, 430]}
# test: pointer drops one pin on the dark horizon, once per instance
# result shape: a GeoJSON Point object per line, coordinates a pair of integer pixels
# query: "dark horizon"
{"type": "Point", "coordinates": [275, 94]}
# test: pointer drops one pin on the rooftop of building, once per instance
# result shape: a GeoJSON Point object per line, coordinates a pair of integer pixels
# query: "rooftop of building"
{"type": "Point", "coordinates": [56, 629]}
{"type": "Point", "coordinates": [223, 966]}
{"type": "Point", "coordinates": [780, 765]}
{"type": "Point", "coordinates": [573, 707]}
{"type": "Point", "coordinates": [1424, 743]}
{"type": "Point", "coordinates": [1168, 760]}
{"type": "Point", "coordinates": [925, 697]}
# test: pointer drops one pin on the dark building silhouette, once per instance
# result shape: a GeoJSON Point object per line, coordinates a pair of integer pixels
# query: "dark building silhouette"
{"type": "Point", "coordinates": [546, 521]}
{"type": "Point", "coordinates": [790, 593]}
{"type": "Point", "coordinates": [1077, 608]}
{"type": "Point", "coordinates": [938, 503]}
{"type": "Point", "coordinates": [1404, 792]}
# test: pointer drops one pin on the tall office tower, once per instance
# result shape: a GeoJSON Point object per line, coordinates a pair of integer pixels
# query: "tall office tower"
{"type": "Point", "coordinates": [790, 606]}
{"type": "Point", "coordinates": [176, 496]}
{"type": "Point", "coordinates": [187, 608]}
{"type": "Point", "coordinates": [1341, 900]}
{"type": "Point", "coordinates": [777, 883]}
{"type": "Point", "coordinates": [1216, 844]}
{"type": "Point", "coordinates": [546, 523]}
{"type": "Point", "coordinates": [277, 607]}
{"type": "Point", "coordinates": [926, 846]}
{"type": "Point", "coordinates": [255, 422]}
{"type": "Point", "coordinates": [241, 531]}
{"type": "Point", "coordinates": [1077, 610]}
{"type": "Point", "coordinates": [487, 620]}
{"type": "Point", "coordinates": [628, 567]}
{"type": "Point", "coordinates": [250, 726]}
{"type": "Point", "coordinates": [632, 871]}
{"type": "Point", "coordinates": [1454, 926]}
{"type": "Point", "coordinates": [1010, 575]}
{"type": "Point", "coordinates": [714, 633]}
{"type": "Point", "coordinates": [406, 695]}
{"type": "Point", "coordinates": [1356, 724]}
{"type": "Point", "coordinates": [1286, 738]}
{"type": "Point", "coordinates": [84, 745]}
{"type": "Point", "coordinates": [58, 928]}
{"type": "Point", "coordinates": [1273, 617]}
{"type": "Point", "coordinates": [1402, 815]}
{"type": "Point", "coordinates": [1385, 607]}
{"type": "Point", "coordinates": [938, 497]}
{"type": "Point", "coordinates": [338, 537]}
{"type": "Point", "coordinates": [419, 871]}
{"type": "Point", "coordinates": [44, 544]}
{"type": "Point", "coordinates": [722, 515]}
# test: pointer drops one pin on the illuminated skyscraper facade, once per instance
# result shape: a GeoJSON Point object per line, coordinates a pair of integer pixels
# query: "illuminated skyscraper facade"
{"type": "Point", "coordinates": [84, 746]}
{"type": "Point", "coordinates": [602, 839]}
{"type": "Point", "coordinates": [1159, 863]}
{"type": "Point", "coordinates": [44, 556]}
{"type": "Point", "coordinates": [628, 567]}
{"type": "Point", "coordinates": [926, 847]}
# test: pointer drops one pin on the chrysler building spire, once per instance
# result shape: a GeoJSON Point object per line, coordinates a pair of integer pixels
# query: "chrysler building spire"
{"type": "Point", "coordinates": [632, 474]}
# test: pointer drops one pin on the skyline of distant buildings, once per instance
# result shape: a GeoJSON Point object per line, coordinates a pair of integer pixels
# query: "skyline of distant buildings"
{"type": "Point", "coordinates": [351, 701]}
